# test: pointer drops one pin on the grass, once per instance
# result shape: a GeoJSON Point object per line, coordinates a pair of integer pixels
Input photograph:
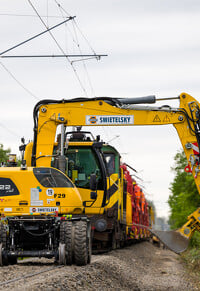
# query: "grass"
{"type": "Point", "coordinates": [192, 259]}
{"type": "Point", "coordinates": [192, 256]}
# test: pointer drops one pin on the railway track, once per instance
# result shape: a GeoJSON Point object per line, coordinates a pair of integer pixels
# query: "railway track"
{"type": "Point", "coordinates": [138, 267]}
{"type": "Point", "coordinates": [7, 282]}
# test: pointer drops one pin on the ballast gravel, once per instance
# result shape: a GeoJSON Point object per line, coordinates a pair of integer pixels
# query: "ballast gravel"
{"type": "Point", "coordinates": [141, 266]}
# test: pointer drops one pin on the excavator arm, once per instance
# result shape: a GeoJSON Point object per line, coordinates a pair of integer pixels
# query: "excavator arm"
{"type": "Point", "coordinates": [104, 111]}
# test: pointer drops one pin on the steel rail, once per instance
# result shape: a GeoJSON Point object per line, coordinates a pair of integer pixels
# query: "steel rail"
{"type": "Point", "coordinates": [30, 275]}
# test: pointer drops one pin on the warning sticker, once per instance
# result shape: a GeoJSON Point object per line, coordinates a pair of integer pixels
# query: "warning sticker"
{"type": "Point", "coordinates": [195, 148]}
{"type": "Point", "coordinates": [37, 203]}
{"type": "Point", "coordinates": [49, 201]}
{"type": "Point", "coordinates": [166, 119]}
{"type": "Point", "coordinates": [34, 194]}
{"type": "Point", "coordinates": [49, 192]}
{"type": "Point", "coordinates": [8, 209]}
{"type": "Point", "coordinates": [156, 119]}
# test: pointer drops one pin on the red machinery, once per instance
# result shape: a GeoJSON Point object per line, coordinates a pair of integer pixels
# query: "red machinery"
{"type": "Point", "coordinates": [140, 207]}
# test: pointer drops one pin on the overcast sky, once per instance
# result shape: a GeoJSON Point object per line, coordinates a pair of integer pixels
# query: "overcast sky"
{"type": "Point", "coordinates": [153, 48]}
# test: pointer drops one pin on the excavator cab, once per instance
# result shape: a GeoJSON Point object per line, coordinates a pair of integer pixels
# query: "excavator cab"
{"type": "Point", "coordinates": [84, 164]}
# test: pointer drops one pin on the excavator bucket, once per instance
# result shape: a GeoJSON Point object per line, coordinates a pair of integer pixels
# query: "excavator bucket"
{"type": "Point", "coordinates": [173, 239]}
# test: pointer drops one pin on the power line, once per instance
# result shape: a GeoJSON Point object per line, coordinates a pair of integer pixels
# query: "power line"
{"type": "Point", "coordinates": [47, 12]}
{"type": "Point", "coordinates": [84, 37]}
{"type": "Point", "coordinates": [33, 37]}
{"type": "Point", "coordinates": [9, 72]}
{"type": "Point", "coordinates": [63, 16]}
{"type": "Point", "coordinates": [79, 48]}
{"type": "Point", "coordinates": [84, 65]}
{"type": "Point", "coordinates": [61, 8]}
{"type": "Point", "coordinates": [54, 56]}
{"type": "Point", "coordinates": [10, 131]}
{"type": "Point", "coordinates": [29, 15]}
{"type": "Point", "coordinates": [18, 82]}
{"type": "Point", "coordinates": [78, 45]}
{"type": "Point", "coordinates": [60, 48]}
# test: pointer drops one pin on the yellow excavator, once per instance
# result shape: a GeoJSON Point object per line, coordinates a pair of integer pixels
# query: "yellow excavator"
{"type": "Point", "coordinates": [47, 203]}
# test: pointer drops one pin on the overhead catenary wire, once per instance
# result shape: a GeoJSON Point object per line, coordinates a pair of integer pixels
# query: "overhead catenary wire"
{"type": "Point", "coordinates": [21, 43]}
{"type": "Point", "coordinates": [137, 177]}
{"type": "Point", "coordinates": [84, 65]}
{"type": "Point", "coordinates": [84, 37]}
{"type": "Point", "coordinates": [75, 40]}
{"type": "Point", "coordinates": [75, 26]}
{"type": "Point", "coordinates": [53, 56]}
{"type": "Point", "coordinates": [60, 48]}
{"type": "Point", "coordinates": [18, 82]}
{"type": "Point", "coordinates": [61, 8]}
{"type": "Point", "coordinates": [35, 36]}
{"type": "Point", "coordinates": [67, 27]}
{"type": "Point", "coordinates": [47, 13]}
{"type": "Point", "coordinates": [9, 130]}
{"type": "Point", "coordinates": [28, 15]}
{"type": "Point", "coordinates": [12, 75]}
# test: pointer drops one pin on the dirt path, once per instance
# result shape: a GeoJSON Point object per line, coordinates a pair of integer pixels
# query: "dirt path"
{"type": "Point", "coordinates": [138, 267]}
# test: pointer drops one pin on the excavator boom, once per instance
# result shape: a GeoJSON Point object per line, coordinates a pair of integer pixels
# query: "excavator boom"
{"type": "Point", "coordinates": [104, 111]}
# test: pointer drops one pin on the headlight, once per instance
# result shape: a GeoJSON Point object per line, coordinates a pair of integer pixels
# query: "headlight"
{"type": "Point", "coordinates": [101, 225]}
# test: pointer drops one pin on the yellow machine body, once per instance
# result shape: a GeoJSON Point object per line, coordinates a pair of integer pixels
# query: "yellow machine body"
{"type": "Point", "coordinates": [48, 115]}
{"type": "Point", "coordinates": [34, 196]}
{"type": "Point", "coordinates": [114, 184]}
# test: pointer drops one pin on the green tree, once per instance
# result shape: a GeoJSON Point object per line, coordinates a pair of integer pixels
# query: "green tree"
{"type": "Point", "coordinates": [185, 197]}
{"type": "Point", "coordinates": [3, 154]}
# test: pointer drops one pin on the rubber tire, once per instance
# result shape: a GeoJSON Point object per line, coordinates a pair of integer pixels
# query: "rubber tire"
{"type": "Point", "coordinates": [66, 238]}
{"type": "Point", "coordinates": [81, 243]}
{"type": "Point", "coordinates": [89, 249]}
{"type": "Point", "coordinates": [12, 261]}
{"type": "Point", "coordinates": [114, 241]}
{"type": "Point", "coordinates": [3, 240]}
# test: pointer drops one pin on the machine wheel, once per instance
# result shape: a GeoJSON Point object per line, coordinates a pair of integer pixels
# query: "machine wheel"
{"type": "Point", "coordinates": [89, 249]}
{"type": "Point", "coordinates": [1, 258]}
{"type": "Point", "coordinates": [114, 242]}
{"type": "Point", "coordinates": [12, 261]}
{"type": "Point", "coordinates": [66, 237]}
{"type": "Point", "coordinates": [62, 254]}
{"type": "Point", "coordinates": [3, 244]}
{"type": "Point", "coordinates": [81, 244]}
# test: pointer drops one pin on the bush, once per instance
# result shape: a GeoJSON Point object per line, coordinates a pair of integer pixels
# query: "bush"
{"type": "Point", "coordinates": [195, 240]}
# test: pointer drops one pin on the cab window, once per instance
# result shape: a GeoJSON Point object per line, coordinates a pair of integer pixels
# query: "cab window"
{"type": "Point", "coordinates": [110, 162]}
{"type": "Point", "coordinates": [82, 162]}
{"type": "Point", "coordinates": [52, 178]}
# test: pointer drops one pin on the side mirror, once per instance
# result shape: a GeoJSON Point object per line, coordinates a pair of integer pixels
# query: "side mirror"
{"type": "Point", "coordinates": [93, 182]}
{"type": "Point", "coordinates": [93, 195]}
